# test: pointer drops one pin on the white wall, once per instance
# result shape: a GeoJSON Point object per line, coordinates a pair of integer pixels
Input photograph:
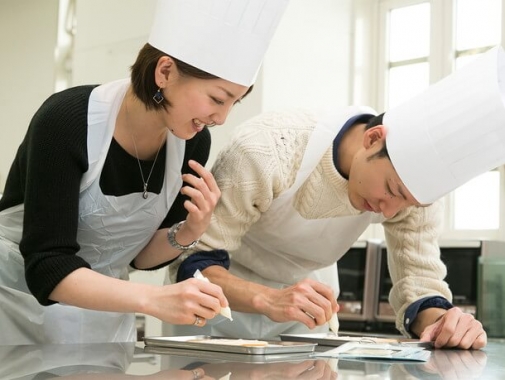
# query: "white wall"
{"type": "Point", "coordinates": [309, 57]}
{"type": "Point", "coordinates": [28, 32]}
{"type": "Point", "coordinates": [109, 35]}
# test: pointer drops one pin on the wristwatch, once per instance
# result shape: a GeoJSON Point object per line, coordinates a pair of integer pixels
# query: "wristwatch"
{"type": "Point", "coordinates": [172, 231]}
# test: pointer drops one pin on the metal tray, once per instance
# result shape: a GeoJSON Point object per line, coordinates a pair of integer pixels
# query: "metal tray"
{"type": "Point", "coordinates": [187, 342]}
{"type": "Point", "coordinates": [329, 339]}
{"type": "Point", "coordinates": [214, 356]}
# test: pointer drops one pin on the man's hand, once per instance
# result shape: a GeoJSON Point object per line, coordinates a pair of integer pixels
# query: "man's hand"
{"type": "Point", "coordinates": [309, 302]}
{"type": "Point", "coordinates": [455, 329]}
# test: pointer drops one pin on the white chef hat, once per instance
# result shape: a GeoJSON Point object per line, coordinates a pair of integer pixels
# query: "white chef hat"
{"type": "Point", "coordinates": [453, 131]}
{"type": "Point", "coordinates": [226, 38]}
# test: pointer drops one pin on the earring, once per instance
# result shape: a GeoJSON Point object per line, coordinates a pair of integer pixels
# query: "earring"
{"type": "Point", "coordinates": [158, 96]}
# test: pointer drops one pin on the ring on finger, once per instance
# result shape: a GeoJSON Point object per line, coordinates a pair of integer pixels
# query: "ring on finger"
{"type": "Point", "coordinates": [310, 315]}
{"type": "Point", "coordinates": [196, 374]}
{"type": "Point", "coordinates": [197, 320]}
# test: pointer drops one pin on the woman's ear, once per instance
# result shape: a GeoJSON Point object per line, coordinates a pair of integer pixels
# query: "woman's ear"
{"type": "Point", "coordinates": [374, 135]}
{"type": "Point", "coordinates": [164, 68]}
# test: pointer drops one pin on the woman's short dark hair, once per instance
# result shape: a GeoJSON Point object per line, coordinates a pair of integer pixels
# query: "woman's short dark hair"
{"type": "Point", "coordinates": [142, 75]}
{"type": "Point", "coordinates": [374, 121]}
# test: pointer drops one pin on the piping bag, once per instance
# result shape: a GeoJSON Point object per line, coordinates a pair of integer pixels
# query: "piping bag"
{"type": "Point", "coordinates": [334, 324]}
{"type": "Point", "coordinates": [225, 311]}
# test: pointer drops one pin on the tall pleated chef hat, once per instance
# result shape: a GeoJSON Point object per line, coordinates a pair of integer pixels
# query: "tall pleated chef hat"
{"type": "Point", "coordinates": [453, 131]}
{"type": "Point", "coordinates": [226, 38]}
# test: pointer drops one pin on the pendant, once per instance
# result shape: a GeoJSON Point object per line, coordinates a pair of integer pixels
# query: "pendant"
{"type": "Point", "coordinates": [145, 194]}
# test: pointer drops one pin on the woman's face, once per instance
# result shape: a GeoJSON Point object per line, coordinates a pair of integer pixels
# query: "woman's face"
{"type": "Point", "coordinates": [196, 103]}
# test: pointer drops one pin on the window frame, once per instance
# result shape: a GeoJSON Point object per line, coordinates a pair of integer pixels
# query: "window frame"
{"type": "Point", "coordinates": [371, 87]}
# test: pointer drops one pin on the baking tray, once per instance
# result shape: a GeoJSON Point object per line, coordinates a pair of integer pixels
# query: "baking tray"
{"type": "Point", "coordinates": [191, 343]}
{"type": "Point", "coordinates": [213, 356]}
{"type": "Point", "coordinates": [329, 339]}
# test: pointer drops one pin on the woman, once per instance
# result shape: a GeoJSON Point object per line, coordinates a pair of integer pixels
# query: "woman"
{"type": "Point", "coordinates": [96, 186]}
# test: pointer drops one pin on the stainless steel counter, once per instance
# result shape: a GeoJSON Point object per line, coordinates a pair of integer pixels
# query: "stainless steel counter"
{"type": "Point", "coordinates": [131, 361]}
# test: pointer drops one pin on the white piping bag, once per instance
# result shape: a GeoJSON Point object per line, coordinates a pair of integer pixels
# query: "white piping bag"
{"type": "Point", "coordinates": [225, 311]}
{"type": "Point", "coordinates": [334, 324]}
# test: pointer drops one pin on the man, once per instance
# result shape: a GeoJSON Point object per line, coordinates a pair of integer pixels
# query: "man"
{"type": "Point", "coordinates": [298, 188]}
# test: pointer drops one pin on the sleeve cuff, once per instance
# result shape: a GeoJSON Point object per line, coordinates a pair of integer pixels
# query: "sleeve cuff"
{"type": "Point", "coordinates": [424, 303]}
{"type": "Point", "coordinates": [202, 260]}
{"type": "Point", "coordinates": [132, 264]}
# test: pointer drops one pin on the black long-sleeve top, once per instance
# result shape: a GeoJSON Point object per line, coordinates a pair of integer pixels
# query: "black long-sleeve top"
{"type": "Point", "coordinates": [45, 176]}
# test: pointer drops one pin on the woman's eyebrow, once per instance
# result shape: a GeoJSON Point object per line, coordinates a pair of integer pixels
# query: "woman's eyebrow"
{"type": "Point", "coordinates": [228, 93]}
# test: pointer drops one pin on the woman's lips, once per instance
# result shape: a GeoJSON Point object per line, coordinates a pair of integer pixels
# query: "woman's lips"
{"type": "Point", "coordinates": [198, 125]}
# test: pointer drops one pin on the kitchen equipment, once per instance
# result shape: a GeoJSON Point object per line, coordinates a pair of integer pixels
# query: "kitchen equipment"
{"type": "Point", "coordinates": [357, 278]}
{"type": "Point", "coordinates": [237, 346]}
{"type": "Point", "coordinates": [491, 290]}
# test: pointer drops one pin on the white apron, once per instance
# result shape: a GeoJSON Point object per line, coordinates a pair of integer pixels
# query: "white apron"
{"type": "Point", "coordinates": [282, 247]}
{"type": "Point", "coordinates": [111, 232]}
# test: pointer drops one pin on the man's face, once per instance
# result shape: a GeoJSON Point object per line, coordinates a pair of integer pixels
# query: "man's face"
{"type": "Point", "coordinates": [374, 184]}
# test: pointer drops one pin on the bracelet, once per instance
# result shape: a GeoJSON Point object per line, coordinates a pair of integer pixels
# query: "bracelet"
{"type": "Point", "coordinates": [171, 237]}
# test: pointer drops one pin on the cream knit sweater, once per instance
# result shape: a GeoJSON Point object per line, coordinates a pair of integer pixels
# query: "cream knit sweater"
{"type": "Point", "coordinates": [261, 161]}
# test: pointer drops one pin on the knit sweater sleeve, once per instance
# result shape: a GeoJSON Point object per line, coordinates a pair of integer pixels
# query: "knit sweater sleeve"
{"type": "Point", "coordinates": [251, 171]}
{"type": "Point", "coordinates": [414, 262]}
{"type": "Point", "coordinates": [50, 164]}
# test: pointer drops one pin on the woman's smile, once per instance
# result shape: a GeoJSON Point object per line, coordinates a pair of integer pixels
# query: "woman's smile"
{"type": "Point", "coordinates": [198, 125]}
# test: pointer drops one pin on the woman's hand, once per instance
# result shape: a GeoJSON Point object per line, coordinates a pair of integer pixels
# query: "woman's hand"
{"type": "Point", "coordinates": [190, 302]}
{"type": "Point", "coordinates": [204, 195]}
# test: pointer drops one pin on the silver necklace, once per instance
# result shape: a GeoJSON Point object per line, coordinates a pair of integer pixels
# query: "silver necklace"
{"type": "Point", "coordinates": [145, 182]}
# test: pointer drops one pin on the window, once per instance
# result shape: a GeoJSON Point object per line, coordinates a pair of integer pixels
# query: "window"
{"type": "Point", "coordinates": [408, 52]}
{"type": "Point", "coordinates": [420, 42]}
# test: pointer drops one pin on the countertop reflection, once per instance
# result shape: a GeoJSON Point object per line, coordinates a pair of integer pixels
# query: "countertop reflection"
{"type": "Point", "coordinates": [135, 361]}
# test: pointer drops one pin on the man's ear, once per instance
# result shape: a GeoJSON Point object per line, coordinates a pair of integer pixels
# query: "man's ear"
{"type": "Point", "coordinates": [374, 135]}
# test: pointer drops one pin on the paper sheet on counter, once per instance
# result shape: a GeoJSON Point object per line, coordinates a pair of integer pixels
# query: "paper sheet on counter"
{"type": "Point", "coordinates": [358, 350]}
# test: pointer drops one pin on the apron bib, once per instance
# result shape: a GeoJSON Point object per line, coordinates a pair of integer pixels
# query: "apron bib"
{"type": "Point", "coordinates": [111, 232]}
{"type": "Point", "coordinates": [283, 248]}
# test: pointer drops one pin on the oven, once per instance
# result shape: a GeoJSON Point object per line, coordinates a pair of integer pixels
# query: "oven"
{"type": "Point", "coordinates": [462, 263]}
{"type": "Point", "coordinates": [356, 272]}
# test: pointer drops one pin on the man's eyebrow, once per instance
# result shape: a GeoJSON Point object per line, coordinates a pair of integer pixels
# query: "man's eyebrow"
{"type": "Point", "coordinates": [388, 188]}
{"type": "Point", "coordinates": [400, 190]}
